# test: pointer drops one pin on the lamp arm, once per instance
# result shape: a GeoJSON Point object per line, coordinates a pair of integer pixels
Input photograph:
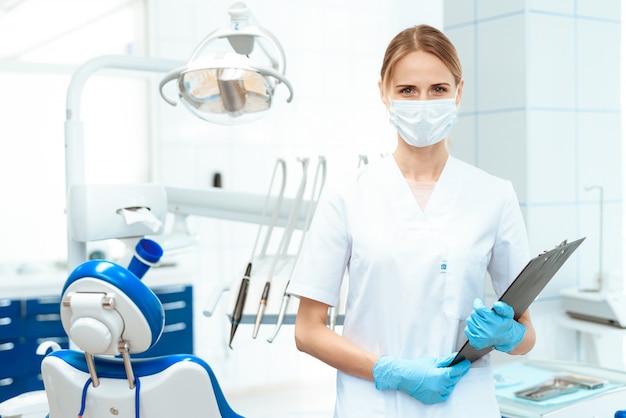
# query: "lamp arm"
{"type": "Point", "coordinates": [173, 75]}
{"type": "Point", "coordinates": [281, 64]}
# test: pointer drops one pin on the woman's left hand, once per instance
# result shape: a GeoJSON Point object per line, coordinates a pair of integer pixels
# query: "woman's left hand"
{"type": "Point", "coordinates": [486, 327]}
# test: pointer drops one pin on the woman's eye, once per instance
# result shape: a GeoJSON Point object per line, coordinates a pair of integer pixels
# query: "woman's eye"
{"type": "Point", "coordinates": [439, 90]}
{"type": "Point", "coordinates": [406, 90]}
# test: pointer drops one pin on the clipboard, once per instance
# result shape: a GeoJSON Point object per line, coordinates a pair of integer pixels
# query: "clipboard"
{"type": "Point", "coordinates": [525, 288]}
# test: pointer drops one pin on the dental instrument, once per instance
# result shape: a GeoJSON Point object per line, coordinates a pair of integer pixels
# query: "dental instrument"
{"type": "Point", "coordinates": [245, 281]}
{"type": "Point", "coordinates": [241, 300]}
{"type": "Point", "coordinates": [316, 190]}
{"type": "Point", "coordinates": [283, 246]}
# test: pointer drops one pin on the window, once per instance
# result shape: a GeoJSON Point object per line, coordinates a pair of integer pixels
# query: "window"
{"type": "Point", "coordinates": [47, 41]}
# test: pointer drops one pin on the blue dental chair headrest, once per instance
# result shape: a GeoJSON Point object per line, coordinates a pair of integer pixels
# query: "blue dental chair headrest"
{"type": "Point", "coordinates": [104, 302]}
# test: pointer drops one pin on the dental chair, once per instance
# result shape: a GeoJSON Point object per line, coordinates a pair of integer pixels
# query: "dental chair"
{"type": "Point", "coordinates": [109, 314]}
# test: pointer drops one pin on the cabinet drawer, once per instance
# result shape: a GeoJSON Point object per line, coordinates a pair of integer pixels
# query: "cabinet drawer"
{"type": "Point", "coordinates": [177, 337]}
{"type": "Point", "coordinates": [179, 311]}
{"type": "Point", "coordinates": [43, 325]}
{"type": "Point", "coordinates": [177, 305]}
{"type": "Point", "coordinates": [12, 358]}
{"type": "Point", "coordinates": [175, 340]}
{"type": "Point", "coordinates": [43, 305]}
{"type": "Point", "coordinates": [10, 307]}
{"type": "Point", "coordinates": [172, 293]}
{"type": "Point", "coordinates": [10, 319]}
{"type": "Point", "coordinates": [32, 360]}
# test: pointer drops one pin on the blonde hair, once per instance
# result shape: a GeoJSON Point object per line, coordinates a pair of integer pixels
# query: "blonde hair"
{"type": "Point", "coordinates": [420, 38]}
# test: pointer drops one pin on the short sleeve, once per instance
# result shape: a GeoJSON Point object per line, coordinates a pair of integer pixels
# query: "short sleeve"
{"type": "Point", "coordinates": [322, 263]}
{"type": "Point", "coordinates": [511, 251]}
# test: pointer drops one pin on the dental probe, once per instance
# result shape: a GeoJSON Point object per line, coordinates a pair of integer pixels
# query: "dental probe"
{"type": "Point", "coordinates": [245, 281]}
{"type": "Point", "coordinates": [282, 247]}
{"type": "Point", "coordinates": [321, 166]}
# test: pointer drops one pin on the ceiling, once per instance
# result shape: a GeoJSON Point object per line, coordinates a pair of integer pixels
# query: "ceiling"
{"type": "Point", "coordinates": [30, 27]}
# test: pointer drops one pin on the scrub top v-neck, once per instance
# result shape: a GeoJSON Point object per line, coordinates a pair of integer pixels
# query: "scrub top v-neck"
{"type": "Point", "coordinates": [422, 191]}
{"type": "Point", "coordinates": [412, 274]}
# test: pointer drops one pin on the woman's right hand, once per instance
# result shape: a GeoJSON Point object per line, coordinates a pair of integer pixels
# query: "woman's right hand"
{"type": "Point", "coordinates": [429, 380]}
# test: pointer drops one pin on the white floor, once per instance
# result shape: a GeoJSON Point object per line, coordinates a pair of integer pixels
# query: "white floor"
{"type": "Point", "coordinates": [300, 400]}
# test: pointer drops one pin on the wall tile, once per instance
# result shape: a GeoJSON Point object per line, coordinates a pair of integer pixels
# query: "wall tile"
{"type": "Point", "coordinates": [598, 64]}
{"type": "Point", "coordinates": [611, 241]}
{"type": "Point", "coordinates": [552, 156]}
{"type": "Point", "coordinates": [463, 139]}
{"type": "Point", "coordinates": [553, 340]}
{"type": "Point", "coordinates": [550, 61]}
{"type": "Point", "coordinates": [465, 42]}
{"type": "Point", "coordinates": [459, 12]}
{"type": "Point", "coordinates": [494, 8]}
{"type": "Point", "coordinates": [606, 9]}
{"type": "Point", "coordinates": [502, 147]}
{"type": "Point", "coordinates": [552, 6]}
{"type": "Point", "coordinates": [548, 226]}
{"type": "Point", "coordinates": [167, 12]}
{"type": "Point", "coordinates": [501, 66]}
{"type": "Point", "coordinates": [407, 13]}
{"type": "Point", "coordinates": [310, 18]}
{"type": "Point", "coordinates": [600, 159]}
{"type": "Point", "coordinates": [307, 69]}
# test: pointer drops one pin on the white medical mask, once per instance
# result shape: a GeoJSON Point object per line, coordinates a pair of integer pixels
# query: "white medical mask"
{"type": "Point", "coordinates": [423, 122]}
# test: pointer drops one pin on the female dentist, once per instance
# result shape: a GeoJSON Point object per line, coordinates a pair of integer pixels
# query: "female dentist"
{"type": "Point", "coordinates": [417, 231]}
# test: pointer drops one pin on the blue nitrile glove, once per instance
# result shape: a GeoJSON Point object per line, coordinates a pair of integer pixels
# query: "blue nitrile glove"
{"type": "Point", "coordinates": [486, 327]}
{"type": "Point", "coordinates": [429, 380]}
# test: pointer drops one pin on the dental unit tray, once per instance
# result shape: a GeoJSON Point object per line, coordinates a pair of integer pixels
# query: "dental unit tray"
{"type": "Point", "coordinates": [525, 288]}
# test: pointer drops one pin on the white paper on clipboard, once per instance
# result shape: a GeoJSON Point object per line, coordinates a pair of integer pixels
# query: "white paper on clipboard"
{"type": "Point", "coordinates": [525, 289]}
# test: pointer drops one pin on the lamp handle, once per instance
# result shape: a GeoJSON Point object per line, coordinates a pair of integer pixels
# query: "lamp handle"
{"type": "Point", "coordinates": [264, 71]}
{"type": "Point", "coordinates": [169, 77]}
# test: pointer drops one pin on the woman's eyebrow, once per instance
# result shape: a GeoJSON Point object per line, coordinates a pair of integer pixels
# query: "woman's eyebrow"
{"type": "Point", "coordinates": [443, 83]}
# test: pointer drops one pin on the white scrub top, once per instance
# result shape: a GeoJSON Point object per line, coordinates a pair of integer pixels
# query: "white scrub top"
{"type": "Point", "coordinates": [413, 275]}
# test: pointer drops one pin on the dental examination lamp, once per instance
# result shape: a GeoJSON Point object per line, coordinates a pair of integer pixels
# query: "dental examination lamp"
{"type": "Point", "coordinates": [227, 87]}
